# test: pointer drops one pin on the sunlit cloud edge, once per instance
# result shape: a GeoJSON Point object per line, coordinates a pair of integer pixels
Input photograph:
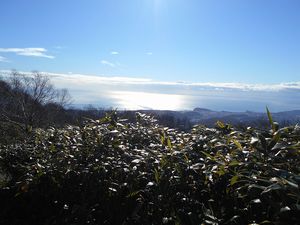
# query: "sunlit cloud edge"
{"type": "Point", "coordinates": [123, 80]}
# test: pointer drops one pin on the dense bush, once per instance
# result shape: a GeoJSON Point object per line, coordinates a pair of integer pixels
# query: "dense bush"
{"type": "Point", "coordinates": [110, 171]}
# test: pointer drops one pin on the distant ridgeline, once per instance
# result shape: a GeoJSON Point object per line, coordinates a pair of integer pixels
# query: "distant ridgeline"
{"type": "Point", "coordinates": [209, 117]}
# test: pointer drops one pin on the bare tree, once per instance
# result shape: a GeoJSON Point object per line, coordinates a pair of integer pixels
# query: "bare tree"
{"type": "Point", "coordinates": [63, 97]}
{"type": "Point", "coordinates": [26, 96]}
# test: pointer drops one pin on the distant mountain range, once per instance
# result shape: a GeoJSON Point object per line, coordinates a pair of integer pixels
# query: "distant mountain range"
{"type": "Point", "coordinates": [209, 117]}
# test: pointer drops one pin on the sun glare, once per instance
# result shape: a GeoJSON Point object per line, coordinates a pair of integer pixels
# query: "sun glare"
{"type": "Point", "coordinates": [144, 100]}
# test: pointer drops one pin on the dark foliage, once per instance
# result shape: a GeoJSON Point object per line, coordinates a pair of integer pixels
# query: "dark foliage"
{"type": "Point", "coordinates": [111, 171]}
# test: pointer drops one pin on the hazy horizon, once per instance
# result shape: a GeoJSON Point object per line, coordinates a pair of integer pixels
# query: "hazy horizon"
{"type": "Point", "coordinates": [143, 93]}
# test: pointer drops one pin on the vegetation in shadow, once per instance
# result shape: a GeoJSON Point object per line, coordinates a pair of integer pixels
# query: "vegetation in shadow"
{"type": "Point", "coordinates": [112, 171]}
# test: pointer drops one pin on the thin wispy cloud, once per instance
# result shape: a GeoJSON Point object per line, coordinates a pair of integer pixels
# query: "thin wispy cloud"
{"type": "Point", "coordinates": [3, 59]}
{"type": "Point", "coordinates": [114, 53]}
{"type": "Point", "coordinates": [149, 53]}
{"type": "Point", "coordinates": [59, 47]}
{"type": "Point", "coordinates": [107, 63]}
{"type": "Point", "coordinates": [34, 52]}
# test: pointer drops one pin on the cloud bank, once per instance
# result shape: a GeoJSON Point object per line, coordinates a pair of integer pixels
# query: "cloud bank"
{"type": "Point", "coordinates": [143, 93]}
{"type": "Point", "coordinates": [121, 80]}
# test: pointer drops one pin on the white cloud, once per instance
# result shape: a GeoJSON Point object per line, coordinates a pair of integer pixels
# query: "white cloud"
{"type": "Point", "coordinates": [107, 63]}
{"type": "Point", "coordinates": [114, 53]}
{"type": "Point", "coordinates": [123, 80]}
{"type": "Point", "coordinates": [36, 52]}
{"type": "Point", "coordinates": [250, 87]}
{"type": "Point", "coordinates": [109, 91]}
{"type": "Point", "coordinates": [3, 59]}
{"type": "Point", "coordinates": [148, 93]}
{"type": "Point", "coordinates": [149, 53]}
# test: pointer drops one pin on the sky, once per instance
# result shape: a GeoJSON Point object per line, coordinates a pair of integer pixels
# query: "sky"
{"type": "Point", "coordinates": [209, 42]}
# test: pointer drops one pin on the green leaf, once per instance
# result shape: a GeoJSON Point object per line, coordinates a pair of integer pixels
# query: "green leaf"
{"type": "Point", "coordinates": [233, 180]}
{"type": "Point", "coordinates": [220, 124]}
{"type": "Point", "coordinates": [271, 120]}
{"type": "Point", "coordinates": [186, 159]}
{"type": "Point", "coordinates": [209, 156]}
{"type": "Point", "coordinates": [52, 148]}
{"type": "Point", "coordinates": [265, 222]}
{"type": "Point", "coordinates": [156, 176]}
{"type": "Point", "coordinates": [234, 163]}
{"type": "Point", "coordinates": [275, 139]}
{"type": "Point", "coordinates": [238, 144]}
{"type": "Point", "coordinates": [133, 194]}
{"type": "Point", "coordinates": [169, 143]}
{"type": "Point", "coordinates": [162, 139]}
{"type": "Point", "coordinates": [221, 171]}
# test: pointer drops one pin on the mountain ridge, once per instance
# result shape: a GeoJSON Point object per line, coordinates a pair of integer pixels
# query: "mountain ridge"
{"type": "Point", "coordinates": [210, 117]}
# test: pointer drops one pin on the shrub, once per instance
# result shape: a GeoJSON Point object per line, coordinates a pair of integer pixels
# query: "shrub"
{"type": "Point", "coordinates": [110, 171]}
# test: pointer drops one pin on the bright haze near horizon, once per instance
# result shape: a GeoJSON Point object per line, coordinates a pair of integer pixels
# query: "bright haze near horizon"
{"type": "Point", "coordinates": [233, 55]}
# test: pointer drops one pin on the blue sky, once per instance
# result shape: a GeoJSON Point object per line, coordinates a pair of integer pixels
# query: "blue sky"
{"type": "Point", "coordinates": [238, 41]}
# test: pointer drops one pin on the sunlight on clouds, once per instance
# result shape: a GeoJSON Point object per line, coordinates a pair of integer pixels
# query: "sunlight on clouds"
{"type": "Point", "coordinates": [143, 100]}
{"type": "Point", "coordinates": [143, 93]}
